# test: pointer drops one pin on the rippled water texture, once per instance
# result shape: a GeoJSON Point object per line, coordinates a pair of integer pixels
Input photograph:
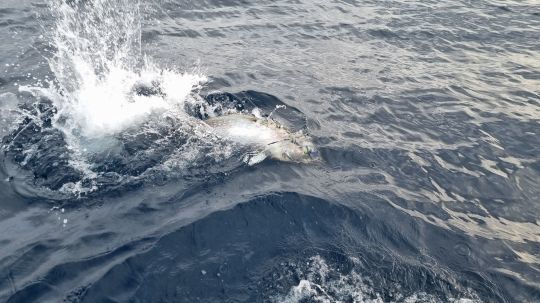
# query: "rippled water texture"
{"type": "Point", "coordinates": [426, 115]}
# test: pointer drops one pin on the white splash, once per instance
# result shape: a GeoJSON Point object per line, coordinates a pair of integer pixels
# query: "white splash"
{"type": "Point", "coordinates": [323, 284]}
{"type": "Point", "coordinates": [98, 64]}
{"type": "Point", "coordinates": [105, 105]}
{"type": "Point", "coordinates": [98, 61]}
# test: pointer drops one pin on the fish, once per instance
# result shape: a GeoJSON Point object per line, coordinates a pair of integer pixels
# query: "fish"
{"type": "Point", "coordinates": [266, 138]}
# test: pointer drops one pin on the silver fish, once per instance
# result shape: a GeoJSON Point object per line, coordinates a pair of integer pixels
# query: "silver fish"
{"type": "Point", "coordinates": [268, 138]}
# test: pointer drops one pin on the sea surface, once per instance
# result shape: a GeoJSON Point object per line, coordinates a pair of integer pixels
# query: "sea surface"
{"type": "Point", "coordinates": [426, 115]}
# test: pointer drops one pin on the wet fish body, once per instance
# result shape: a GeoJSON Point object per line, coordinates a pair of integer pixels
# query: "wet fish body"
{"type": "Point", "coordinates": [267, 138]}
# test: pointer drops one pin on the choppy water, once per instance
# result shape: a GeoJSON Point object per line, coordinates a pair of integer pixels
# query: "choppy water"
{"type": "Point", "coordinates": [426, 114]}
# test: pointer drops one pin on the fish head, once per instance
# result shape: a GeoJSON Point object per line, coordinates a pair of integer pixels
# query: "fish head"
{"type": "Point", "coordinates": [301, 149]}
{"type": "Point", "coordinates": [311, 153]}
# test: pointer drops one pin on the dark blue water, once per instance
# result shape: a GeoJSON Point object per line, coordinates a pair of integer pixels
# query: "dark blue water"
{"type": "Point", "coordinates": [426, 115]}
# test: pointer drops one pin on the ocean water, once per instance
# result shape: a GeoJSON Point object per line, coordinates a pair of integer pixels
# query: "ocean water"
{"type": "Point", "coordinates": [426, 115]}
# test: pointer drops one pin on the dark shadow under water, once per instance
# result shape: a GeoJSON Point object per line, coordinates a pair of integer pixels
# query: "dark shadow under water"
{"type": "Point", "coordinates": [40, 148]}
{"type": "Point", "coordinates": [261, 249]}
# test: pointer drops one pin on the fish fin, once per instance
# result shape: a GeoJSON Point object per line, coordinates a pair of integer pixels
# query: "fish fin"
{"type": "Point", "coordinates": [252, 159]}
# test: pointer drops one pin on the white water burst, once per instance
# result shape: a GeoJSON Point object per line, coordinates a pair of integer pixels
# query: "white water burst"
{"type": "Point", "coordinates": [323, 284]}
{"type": "Point", "coordinates": [98, 69]}
{"type": "Point", "coordinates": [97, 62]}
